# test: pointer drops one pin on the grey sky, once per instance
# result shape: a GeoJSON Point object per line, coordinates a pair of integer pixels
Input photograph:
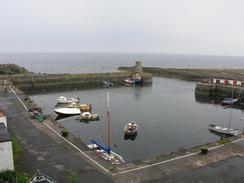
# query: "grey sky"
{"type": "Point", "coordinates": [152, 26]}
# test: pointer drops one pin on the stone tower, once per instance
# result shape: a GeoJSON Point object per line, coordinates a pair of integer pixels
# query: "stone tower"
{"type": "Point", "coordinates": [138, 68]}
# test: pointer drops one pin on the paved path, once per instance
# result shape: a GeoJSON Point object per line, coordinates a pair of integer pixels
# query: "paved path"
{"type": "Point", "coordinates": [41, 152]}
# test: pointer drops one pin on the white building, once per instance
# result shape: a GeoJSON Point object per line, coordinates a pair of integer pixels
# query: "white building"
{"type": "Point", "coordinates": [6, 150]}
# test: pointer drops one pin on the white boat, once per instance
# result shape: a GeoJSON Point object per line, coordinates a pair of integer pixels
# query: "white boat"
{"type": "Point", "coordinates": [106, 152]}
{"type": "Point", "coordinates": [87, 116]}
{"type": "Point", "coordinates": [130, 128]}
{"type": "Point", "coordinates": [223, 130]}
{"type": "Point", "coordinates": [67, 111]}
{"type": "Point", "coordinates": [220, 129]}
{"type": "Point", "coordinates": [65, 100]}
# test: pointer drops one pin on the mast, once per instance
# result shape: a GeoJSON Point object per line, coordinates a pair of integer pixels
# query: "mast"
{"type": "Point", "coordinates": [229, 125]}
{"type": "Point", "coordinates": [109, 119]}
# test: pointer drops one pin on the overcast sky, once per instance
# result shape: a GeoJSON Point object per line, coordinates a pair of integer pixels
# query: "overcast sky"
{"type": "Point", "coordinates": [150, 26]}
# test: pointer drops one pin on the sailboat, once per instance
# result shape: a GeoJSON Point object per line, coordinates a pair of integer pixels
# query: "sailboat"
{"type": "Point", "coordinates": [220, 129]}
{"type": "Point", "coordinates": [106, 152]}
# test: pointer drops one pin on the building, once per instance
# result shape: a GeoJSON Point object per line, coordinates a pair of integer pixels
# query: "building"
{"type": "Point", "coordinates": [6, 150]}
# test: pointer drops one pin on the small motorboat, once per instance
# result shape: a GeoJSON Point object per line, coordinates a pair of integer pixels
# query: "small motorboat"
{"type": "Point", "coordinates": [130, 128]}
{"type": "Point", "coordinates": [65, 100]}
{"type": "Point", "coordinates": [223, 130]}
{"type": "Point", "coordinates": [82, 107]}
{"type": "Point", "coordinates": [107, 84]}
{"type": "Point", "coordinates": [66, 111]}
{"type": "Point", "coordinates": [87, 116]}
{"type": "Point", "coordinates": [229, 101]}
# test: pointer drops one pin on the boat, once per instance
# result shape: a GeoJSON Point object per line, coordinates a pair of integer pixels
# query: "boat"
{"type": "Point", "coordinates": [39, 177]}
{"type": "Point", "coordinates": [107, 84]}
{"type": "Point", "coordinates": [65, 100]}
{"type": "Point", "coordinates": [229, 101]}
{"type": "Point", "coordinates": [66, 111]}
{"type": "Point", "coordinates": [106, 152]}
{"type": "Point", "coordinates": [128, 82]}
{"type": "Point", "coordinates": [130, 129]}
{"type": "Point", "coordinates": [87, 116]}
{"type": "Point", "coordinates": [223, 130]}
{"type": "Point", "coordinates": [82, 107]}
{"type": "Point", "coordinates": [136, 79]}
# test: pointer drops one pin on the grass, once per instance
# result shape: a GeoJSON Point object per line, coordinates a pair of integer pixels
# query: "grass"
{"type": "Point", "coordinates": [20, 175]}
{"type": "Point", "coordinates": [224, 141]}
{"type": "Point", "coordinates": [71, 179]}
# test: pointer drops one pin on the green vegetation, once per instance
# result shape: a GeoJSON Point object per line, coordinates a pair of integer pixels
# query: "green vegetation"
{"type": "Point", "coordinates": [204, 150]}
{"type": "Point", "coordinates": [20, 175]}
{"type": "Point", "coordinates": [113, 168]}
{"type": "Point", "coordinates": [65, 132]}
{"type": "Point", "coordinates": [71, 179]}
{"type": "Point", "coordinates": [224, 141]}
{"type": "Point", "coordinates": [12, 69]}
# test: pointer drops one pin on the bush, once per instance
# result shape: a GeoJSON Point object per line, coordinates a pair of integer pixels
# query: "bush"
{"type": "Point", "coordinates": [204, 150]}
{"type": "Point", "coordinates": [224, 141]}
{"type": "Point", "coordinates": [64, 133]}
{"type": "Point", "coordinates": [7, 176]}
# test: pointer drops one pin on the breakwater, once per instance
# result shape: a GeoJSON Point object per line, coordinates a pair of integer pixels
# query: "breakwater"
{"type": "Point", "coordinates": [44, 81]}
{"type": "Point", "coordinates": [200, 75]}
{"type": "Point", "coordinates": [218, 92]}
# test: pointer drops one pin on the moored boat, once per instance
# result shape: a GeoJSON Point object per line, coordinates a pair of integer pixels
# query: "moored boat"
{"type": "Point", "coordinates": [107, 84]}
{"type": "Point", "coordinates": [82, 107]}
{"type": "Point", "coordinates": [65, 100]}
{"type": "Point", "coordinates": [131, 128]}
{"type": "Point", "coordinates": [229, 101]}
{"type": "Point", "coordinates": [67, 111]}
{"type": "Point", "coordinates": [223, 130]}
{"type": "Point", "coordinates": [87, 116]}
{"type": "Point", "coordinates": [106, 152]}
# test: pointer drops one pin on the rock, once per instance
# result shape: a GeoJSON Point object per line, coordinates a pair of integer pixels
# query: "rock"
{"type": "Point", "coordinates": [12, 69]}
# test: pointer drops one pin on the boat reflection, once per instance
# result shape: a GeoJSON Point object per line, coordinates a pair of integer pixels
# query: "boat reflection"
{"type": "Point", "coordinates": [130, 137]}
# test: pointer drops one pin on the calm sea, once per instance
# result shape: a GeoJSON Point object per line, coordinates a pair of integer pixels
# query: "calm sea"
{"type": "Point", "coordinates": [106, 62]}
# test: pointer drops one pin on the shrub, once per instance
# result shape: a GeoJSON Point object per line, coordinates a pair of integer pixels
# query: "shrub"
{"type": "Point", "coordinates": [64, 133]}
{"type": "Point", "coordinates": [204, 150]}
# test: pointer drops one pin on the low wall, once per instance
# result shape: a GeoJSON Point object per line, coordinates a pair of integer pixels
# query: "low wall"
{"type": "Point", "coordinates": [214, 91]}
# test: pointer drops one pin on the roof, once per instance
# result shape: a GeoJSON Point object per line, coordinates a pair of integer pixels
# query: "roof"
{"type": "Point", "coordinates": [4, 135]}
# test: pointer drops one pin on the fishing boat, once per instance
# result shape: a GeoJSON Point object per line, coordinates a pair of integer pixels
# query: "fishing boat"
{"type": "Point", "coordinates": [87, 116]}
{"type": "Point", "coordinates": [41, 178]}
{"type": "Point", "coordinates": [130, 129]}
{"type": "Point", "coordinates": [221, 129]}
{"type": "Point", "coordinates": [65, 100]}
{"type": "Point", "coordinates": [128, 82]}
{"type": "Point", "coordinates": [66, 111]}
{"type": "Point", "coordinates": [106, 152]}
